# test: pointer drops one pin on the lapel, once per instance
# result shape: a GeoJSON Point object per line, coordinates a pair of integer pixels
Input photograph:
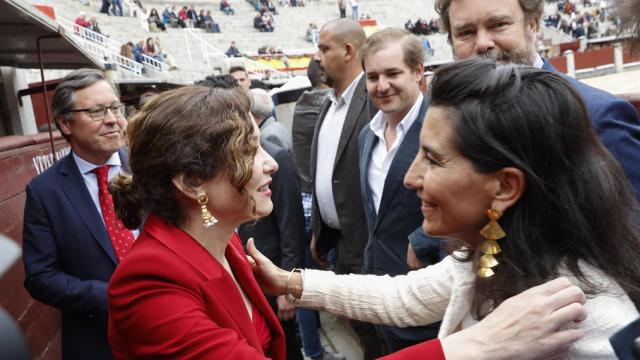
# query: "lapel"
{"type": "Point", "coordinates": [244, 274]}
{"type": "Point", "coordinates": [369, 141]}
{"type": "Point", "coordinates": [316, 131]}
{"type": "Point", "coordinates": [357, 105]}
{"type": "Point", "coordinates": [460, 300]}
{"type": "Point", "coordinates": [401, 162]}
{"type": "Point", "coordinates": [74, 187]}
{"type": "Point", "coordinates": [124, 160]}
{"type": "Point", "coordinates": [218, 283]}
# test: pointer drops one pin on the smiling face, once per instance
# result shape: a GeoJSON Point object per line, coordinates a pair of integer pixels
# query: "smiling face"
{"type": "Point", "coordinates": [492, 28]}
{"type": "Point", "coordinates": [94, 141]}
{"type": "Point", "coordinates": [391, 84]}
{"type": "Point", "coordinates": [227, 204]}
{"type": "Point", "coordinates": [454, 196]}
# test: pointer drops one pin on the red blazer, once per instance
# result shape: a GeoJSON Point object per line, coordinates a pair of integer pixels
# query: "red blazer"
{"type": "Point", "coordinates": [169, 299]}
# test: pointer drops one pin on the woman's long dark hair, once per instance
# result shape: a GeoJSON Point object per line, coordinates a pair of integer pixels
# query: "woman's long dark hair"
{"type": "Point", "coordinates": [577, 204]}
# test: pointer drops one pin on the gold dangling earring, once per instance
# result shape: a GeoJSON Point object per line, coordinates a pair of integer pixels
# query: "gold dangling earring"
{"type": "Point", "coordinates": [489, 247]}
{"type": "Point", "coordinates": [208, 219]}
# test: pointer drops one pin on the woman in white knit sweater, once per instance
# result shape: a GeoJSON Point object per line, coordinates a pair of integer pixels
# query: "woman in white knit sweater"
{"type": "Point", "coordinates": [513, 145]}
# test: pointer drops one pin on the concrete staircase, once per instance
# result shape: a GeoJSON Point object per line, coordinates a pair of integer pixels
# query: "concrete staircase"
{"type": "Point", "coordinates": [290, 26]}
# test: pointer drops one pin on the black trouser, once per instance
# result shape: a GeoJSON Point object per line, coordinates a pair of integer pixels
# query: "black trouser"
{"type": "Point", "coordinates": [371, 340]}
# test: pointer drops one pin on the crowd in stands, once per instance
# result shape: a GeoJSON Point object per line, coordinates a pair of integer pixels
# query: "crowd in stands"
{"type": "Point", "coordinates": [151, 48]}
{"type": "Point", "coordinates": [115, 7]}
{"type": "Point", "coordinates": [91, 24]}
{"type": "Point", "coordinates": [423, 27]}
{"type": "Point", "coordinates": [590, 22]}
{"type": "Point", "coordinates": [187, 16]}
{"type": "Point", "coordinates": [263, 21]}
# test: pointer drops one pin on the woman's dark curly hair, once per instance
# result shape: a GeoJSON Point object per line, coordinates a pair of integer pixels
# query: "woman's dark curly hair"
{"type": "Point", "coordinates": [195, 131]}
{"type": "Point", "coordinates": [577, 204]}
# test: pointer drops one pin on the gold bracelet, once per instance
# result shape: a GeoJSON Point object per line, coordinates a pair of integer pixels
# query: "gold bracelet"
{"type": "Point", "coordinates": [292, 299]}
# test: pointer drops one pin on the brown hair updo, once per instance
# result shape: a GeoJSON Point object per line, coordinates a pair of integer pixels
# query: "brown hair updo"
{"type": "Point", "coordinates": [196, 131]}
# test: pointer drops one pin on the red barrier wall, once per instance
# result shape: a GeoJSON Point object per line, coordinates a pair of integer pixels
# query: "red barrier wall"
{"type": "Point", "coordinates": [21, 158]}
{"type": "Point", "coordinates": [593, 58]}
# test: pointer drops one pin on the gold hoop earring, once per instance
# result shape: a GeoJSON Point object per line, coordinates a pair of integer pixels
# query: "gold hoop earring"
{"type": "Point", "coordinates": [208, 219]}
{"type": "Point", "coordinates": [489, 247]}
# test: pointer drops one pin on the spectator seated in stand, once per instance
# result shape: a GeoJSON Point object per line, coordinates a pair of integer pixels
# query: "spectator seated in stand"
{"type": "Point", "coordinates": [182, 15]}
{"type": "Point", "coordinates": [155, 22]}
{"type": "Point", "coordinates": [171, 18]}
{"type": "Point", "coordinates": [409, 26]}
{"type": "Point", "coordinates": [192, 15]}
{"type": "Point", "coordinates": [138, 51]}
{"type": "Point", "coordinates": [81, 20]}
{"type": "Point", "coordinates": [263, 21]}
{"type": "Point", "coordinates": [208, 23]}
{"type": "Point", "coordinates": [233, 51]}
{"type": "Point", "coordinates": [150, 50]}
{"type": "Point", "coordinates": [126, 50]}
{"type": "Point", "coordinates": [93, 26]}
{"type": "Point", "coordinates": [272, 8]}
{"type": "Point", "coordinates": [225, 7]}
{"type": "Point", "coordinates": [167, 57]}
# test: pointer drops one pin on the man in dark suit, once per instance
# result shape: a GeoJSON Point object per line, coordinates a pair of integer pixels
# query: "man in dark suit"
{"type": "Point", "coordinates": [392, 61]}
{"type": "Point", "coordinates": [626, 342]}
{"type": "Point", "coordinates": [69, 253]}
{"type": "Point", "coordinates": [338, 216]}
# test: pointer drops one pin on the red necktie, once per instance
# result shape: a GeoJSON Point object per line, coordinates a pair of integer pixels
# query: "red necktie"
{"type": "Point", "coordinates": [121, 237]}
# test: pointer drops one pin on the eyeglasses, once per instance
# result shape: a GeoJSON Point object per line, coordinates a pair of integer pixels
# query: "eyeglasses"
{"type": "Point", "coordinates": [99, 113]}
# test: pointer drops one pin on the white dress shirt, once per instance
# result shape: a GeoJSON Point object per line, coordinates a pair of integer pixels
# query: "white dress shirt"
{"type": "Point", "coordinates": [91, 181]}
{"type": "Point", "coordinates": [328, 140]}
{"type": "Point", "coordinates": [381, 158]}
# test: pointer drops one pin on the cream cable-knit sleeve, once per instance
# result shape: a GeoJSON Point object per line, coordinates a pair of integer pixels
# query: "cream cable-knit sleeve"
{"type": "Point", "coordinates": [418, 298]}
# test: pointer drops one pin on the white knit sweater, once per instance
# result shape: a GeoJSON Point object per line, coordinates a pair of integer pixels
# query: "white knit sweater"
{"type": "Point", "coordinates": [444, 292]}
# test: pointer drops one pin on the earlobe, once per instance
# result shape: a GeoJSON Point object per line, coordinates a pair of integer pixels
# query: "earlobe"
{"type": "Point", "coordinates": [510, 187]}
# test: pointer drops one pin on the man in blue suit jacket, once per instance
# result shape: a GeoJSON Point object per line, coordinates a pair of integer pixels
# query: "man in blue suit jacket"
{"type": "Point", "coordinates": [68, 254]}
{"type": "Point", "coordinates": [506, 30]}
{"type": "Point", "coordinates": [392, 60]}
{"type": "Point", "coordinates": [626, 342]}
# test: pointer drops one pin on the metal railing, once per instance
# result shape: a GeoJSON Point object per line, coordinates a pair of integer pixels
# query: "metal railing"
{"type": "Point", "coordinates": [110, 57]}
{"type": "Point", "coordinates": [107, 43]}
{"type": "Point", "coordinates": [208, 51]}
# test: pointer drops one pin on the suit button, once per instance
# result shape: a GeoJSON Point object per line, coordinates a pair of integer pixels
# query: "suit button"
{"type": "Point", "coordinates": [636, 348]}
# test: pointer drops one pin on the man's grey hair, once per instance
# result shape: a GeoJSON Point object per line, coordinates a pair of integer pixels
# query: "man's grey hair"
{"type": "Point", "coordinates": [262, 104]}
{"type": "Point", "coordinates": [64, 96]}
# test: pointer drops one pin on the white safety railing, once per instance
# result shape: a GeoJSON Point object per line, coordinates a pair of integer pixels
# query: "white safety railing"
{"type": "Point", "coordinates": [208, 51]}
{"type": "Point", "coordinates": [109, 45]}
{"type": "Point", "coordinates": [110, 57]}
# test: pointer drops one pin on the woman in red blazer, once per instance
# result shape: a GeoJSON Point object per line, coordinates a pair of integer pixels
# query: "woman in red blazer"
{"type": "Point", "coordinates": [185, 290]}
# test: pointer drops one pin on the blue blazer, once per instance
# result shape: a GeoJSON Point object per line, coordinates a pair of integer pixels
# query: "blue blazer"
{"type": "Point", "coordinates": [625, 342]}
{"type": "Point", "coordinates": [398, 216]}
{"type": "Point", "coordinates": [616, 123]}
{"type": "Point", "coordinates": [68, 257]}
